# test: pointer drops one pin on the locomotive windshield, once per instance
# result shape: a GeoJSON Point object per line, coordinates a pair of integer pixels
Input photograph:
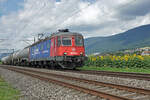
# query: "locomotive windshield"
{"type": "Point", "coordinates": [78, 41]}
{"type": "Point", "coordinates": [66, 41]}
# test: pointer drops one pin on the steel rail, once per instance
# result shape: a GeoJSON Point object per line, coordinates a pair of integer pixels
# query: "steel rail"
{"type": "Point", "coordinates": [115, 74]}
{"type": "Point", "coordinates": [133, 73]}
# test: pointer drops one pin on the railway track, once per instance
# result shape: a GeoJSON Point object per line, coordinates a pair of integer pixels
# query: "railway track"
{"type": "Point", "coordinates": [138, 76]}
{"type": "Point", "coordinates": [100, 89]}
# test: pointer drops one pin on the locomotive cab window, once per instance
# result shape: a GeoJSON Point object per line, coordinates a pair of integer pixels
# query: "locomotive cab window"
{"type": "Point", "coordinates": [78, 41]}
{"type": "Point", "coordinates": [67, 41]}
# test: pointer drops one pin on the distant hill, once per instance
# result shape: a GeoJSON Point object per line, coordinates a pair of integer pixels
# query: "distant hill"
{"type": "Point", "coordinates": [134, 38]}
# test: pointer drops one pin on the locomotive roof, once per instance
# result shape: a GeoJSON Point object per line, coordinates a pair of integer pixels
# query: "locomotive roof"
{"type": "Point", "coordinates": [64, 33]}
{"type": "Point", "coordinates": [56, 34]}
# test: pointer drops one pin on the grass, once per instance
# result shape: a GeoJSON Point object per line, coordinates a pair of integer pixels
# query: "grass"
{"type": "Point", "coordinates": [114, 69]}
{"type": "Point", "coordinates": [7, 92]}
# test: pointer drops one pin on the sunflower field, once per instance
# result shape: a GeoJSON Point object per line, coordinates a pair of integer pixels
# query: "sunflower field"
{"type": "Point", "coordinates": [125, 61]}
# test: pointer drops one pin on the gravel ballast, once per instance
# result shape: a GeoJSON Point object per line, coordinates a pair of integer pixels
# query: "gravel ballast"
{"type": "Point", "coordinates": [34, 89]}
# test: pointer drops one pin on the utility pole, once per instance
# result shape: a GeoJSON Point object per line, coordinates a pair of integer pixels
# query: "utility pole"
{"type": "Point", "coordinates": [34, 39]}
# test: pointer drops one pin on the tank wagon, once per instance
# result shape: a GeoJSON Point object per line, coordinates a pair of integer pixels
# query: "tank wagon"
{"type": "Point", "coordinates": [5, 60]}
{"type": "Point", "coordinates": [62, 49]}
{"type": "Point", "coordinates": [21, 57]}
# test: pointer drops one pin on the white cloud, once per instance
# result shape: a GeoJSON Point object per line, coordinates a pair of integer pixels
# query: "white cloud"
{"type": "Point", "coordinates": [2, 0]}
{"type": "Point", "coordinates": [101, 18]}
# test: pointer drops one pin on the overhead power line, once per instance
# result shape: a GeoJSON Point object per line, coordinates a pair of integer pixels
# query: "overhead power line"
{"type": "Point", "coordinates": [59, 25]}
{"type": "Point", "coordinates": [72, 15]}
{"type": "Point", "coordinates": [76, 12]}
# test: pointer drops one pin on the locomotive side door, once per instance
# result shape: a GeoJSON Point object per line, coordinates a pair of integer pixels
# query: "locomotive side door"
{"type": "Point", "coordinates": [53, 47]}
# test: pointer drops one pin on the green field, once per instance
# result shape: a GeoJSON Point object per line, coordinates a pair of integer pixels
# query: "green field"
{"type": "Point", "coordinates": [137, 70]}
{"type": "Point", "coordinates": [7, 92]}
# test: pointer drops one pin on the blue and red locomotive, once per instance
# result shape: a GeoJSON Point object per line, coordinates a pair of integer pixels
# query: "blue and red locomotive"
{"type": "Point", "coordinates": [62, 49]}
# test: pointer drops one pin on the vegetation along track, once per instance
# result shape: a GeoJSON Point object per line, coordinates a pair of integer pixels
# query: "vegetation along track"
{"type": "Point", "coordinates": [130, 75]}
{"type": "Point", "coordinates": [100, 89]}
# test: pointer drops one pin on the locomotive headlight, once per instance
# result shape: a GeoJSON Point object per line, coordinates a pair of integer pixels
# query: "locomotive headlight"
{"type": "Point", "coordinates": [81, 53]}
{"type": "Point", "coordinates": [65, 53]}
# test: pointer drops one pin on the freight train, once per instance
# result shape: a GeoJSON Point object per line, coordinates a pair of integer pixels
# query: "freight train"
{"type": "Point", "coordinates": [62, 49]}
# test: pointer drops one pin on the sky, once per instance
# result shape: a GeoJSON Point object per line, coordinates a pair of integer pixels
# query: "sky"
{"type": "Point", "coordinates": [22, 20]}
